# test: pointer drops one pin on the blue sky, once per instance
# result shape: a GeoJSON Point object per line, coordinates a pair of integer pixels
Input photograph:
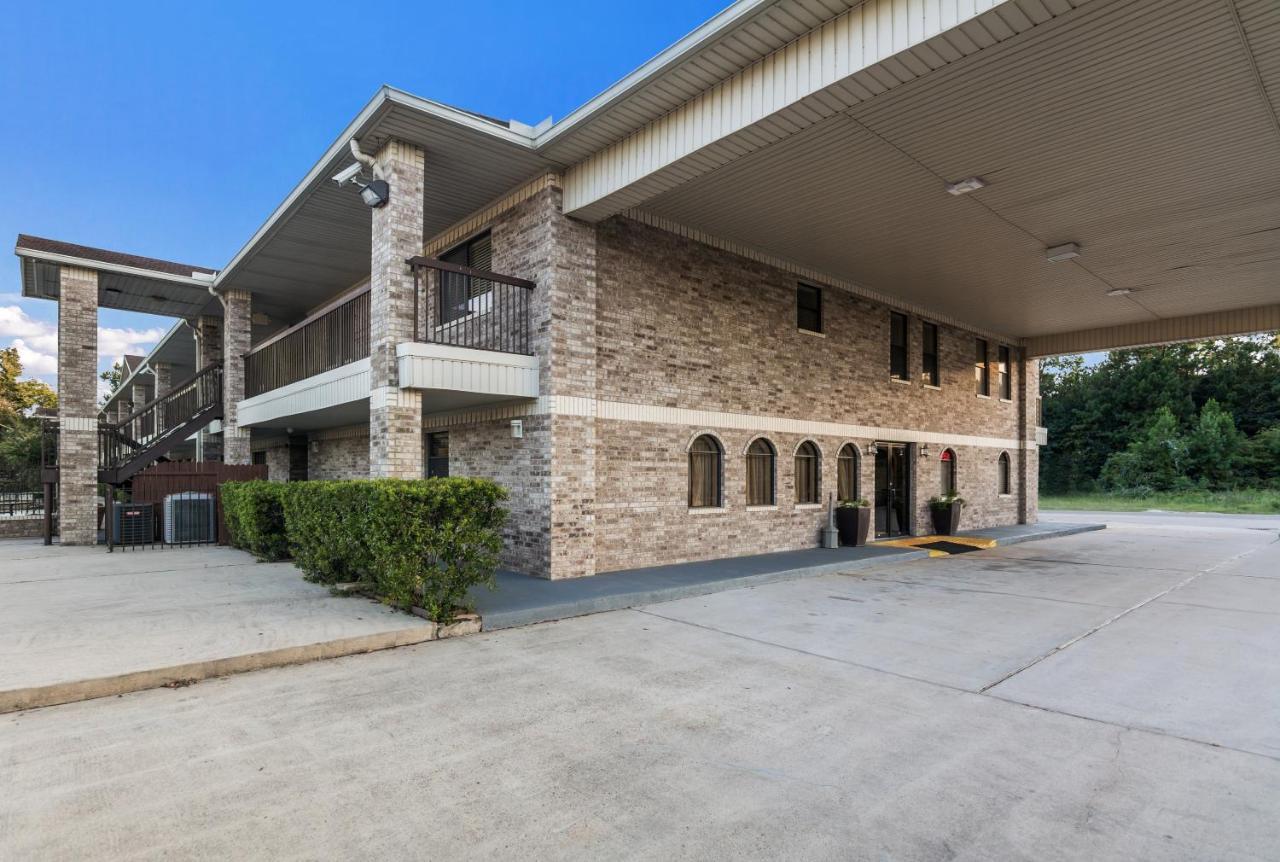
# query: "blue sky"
{"type": "Point", "coordinates": [173, 129]}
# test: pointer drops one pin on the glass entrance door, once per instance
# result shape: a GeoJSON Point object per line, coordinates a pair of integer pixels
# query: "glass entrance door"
{"type": "Point", "coordinates": [893, 491]}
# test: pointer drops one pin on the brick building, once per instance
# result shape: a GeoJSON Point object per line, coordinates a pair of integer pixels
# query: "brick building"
{"type": "Point", "coordinates": [778, 264]}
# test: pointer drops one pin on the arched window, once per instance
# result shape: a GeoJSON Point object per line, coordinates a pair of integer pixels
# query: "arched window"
{"type": "Point", "coordinates": [847, 472]}
{"type": "Point", "coordinates": [807, 473]}
{"type": "Point", "coordinates": [760, 473]}
{"type": "Point", "coordinates": [1002, 472]}
{"type": "Point", "coordinates": [947, 467]}
{"type": "Point", "coordinates": [706, 466]}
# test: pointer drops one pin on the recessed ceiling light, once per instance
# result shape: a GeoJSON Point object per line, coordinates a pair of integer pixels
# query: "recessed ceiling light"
{"type": "Point", "coordinates": [966, 185]}
{"type": "Point", "coordinates": [1119, 291]}
{"type": "Point", "coordinates": [1066, 251]}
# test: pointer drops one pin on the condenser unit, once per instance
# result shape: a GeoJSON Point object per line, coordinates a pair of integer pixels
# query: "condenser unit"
{"type": "Point", "coordinates": [190, 517]}
{"type": "Point", "coordinates": [135, 523]}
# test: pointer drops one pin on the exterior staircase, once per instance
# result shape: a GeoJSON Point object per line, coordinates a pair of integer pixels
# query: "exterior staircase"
{"type": "Point", "coordinates": [150, 432]}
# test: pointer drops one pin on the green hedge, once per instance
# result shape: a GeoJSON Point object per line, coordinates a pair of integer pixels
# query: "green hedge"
{"type": "Point", "coordinates": [327, 523]}
{"type": "Point", "coordinates": [255, 518]}
{"type": "Point", "coordinates": [421, 542]}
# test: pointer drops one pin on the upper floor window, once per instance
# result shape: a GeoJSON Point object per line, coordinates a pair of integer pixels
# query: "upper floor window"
{"type": "Point", "coordinates": [897, 346]}
{"type": "Point", "coordinates": [947, 468]}
{"type": "Point", "coordinates": [1004, 379]}
{"type": "Point", "coordinates": [462, 295]}
{"type": "Point", "coordinates": [981, 372]}
{"type": "Point", "coordinates": [929, 354]}
{"type": "Point", "coordinates": [809, 307]}
{"type": "Point", "coordinates": [760, 473]}
{"type": "Point", "coordinates": [847, 472]}
{"type": "Point", "coordinates": [706, 473]}
{"type": "Point", "coordinates": [1003, 477]}
{"type": "Point", "coordinates": [808, 473]}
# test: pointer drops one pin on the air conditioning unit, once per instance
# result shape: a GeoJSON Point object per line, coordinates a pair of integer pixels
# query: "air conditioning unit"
{"type": "Point", "coordinates": [190, 517]}
{"type": "Point", "coordinates": [135, 523]}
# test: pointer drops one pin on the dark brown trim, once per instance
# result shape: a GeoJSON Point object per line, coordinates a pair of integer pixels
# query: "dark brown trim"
{"type": "Point", "coordinates": [433, 263]}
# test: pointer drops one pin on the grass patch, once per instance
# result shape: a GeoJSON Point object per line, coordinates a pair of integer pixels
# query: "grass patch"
{"type": "Point", "coordinates": [1227, 502]}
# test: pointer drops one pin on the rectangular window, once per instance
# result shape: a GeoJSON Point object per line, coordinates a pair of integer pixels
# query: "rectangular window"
{"type": "Point", "coordinates": [462, 295]}
{"type": "Point", "coordinates": [809, 307]}
{"type": "Point", "coordinates": [930, 355]}
{"type": "Point", "coordinates": [898, 346]}
{"type": "Point", "coordinates": [436, 444]}
{"type": "Point", "coordinates": [981, 373]}
{"type": "Point", "coordinates": [1003, 377]}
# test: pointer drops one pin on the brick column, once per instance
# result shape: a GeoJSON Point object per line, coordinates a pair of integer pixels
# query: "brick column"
{"type": "Point", "coordinates": [208, 332]}
{"type": "Point", "coordinates": [163, 373]}
{"type": "Point", "coordinates": [236, 336]}
{"type": "Point", "coordinates": [395, 414]}
{"type": "Point", "coordinates": [77, 406]}
{"type": "Point", "coordinates": [1028, 466]}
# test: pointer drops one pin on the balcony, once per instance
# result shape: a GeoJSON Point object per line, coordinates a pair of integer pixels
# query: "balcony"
{"type": "Point", "coordinates": [471, 345]}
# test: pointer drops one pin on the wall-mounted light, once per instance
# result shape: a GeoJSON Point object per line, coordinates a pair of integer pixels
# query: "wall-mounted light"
{"type": "Point", "coordinates": [924, 450]}
{"type": "Point", "coordinates": [872, 449]}
{"type": "Point", "coordinates": [966, 185]}
{"type": "Point", "coordinates": [517, 428]}
{"type": "Point", "coordinates": [375, 194]}
{"type": "Point", "coordinates": [1058, 253]}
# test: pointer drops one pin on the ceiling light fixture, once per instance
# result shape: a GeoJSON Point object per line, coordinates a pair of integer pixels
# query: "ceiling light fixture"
{"type": "Point", "coordinates": [1119, 291]}
{"type": "Point", "coordinates": [966, 185]}
{"type": "Point", "coordinates": [1058, 253]}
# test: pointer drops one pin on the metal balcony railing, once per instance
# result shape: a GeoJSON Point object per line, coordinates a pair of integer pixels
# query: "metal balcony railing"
{"type": "Point", "coordinates": [467, 307]}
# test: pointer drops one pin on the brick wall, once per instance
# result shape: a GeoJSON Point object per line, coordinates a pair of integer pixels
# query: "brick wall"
{"type": "Point", "coordinates": [338, 453]}
{"type": "Point", "coordinates": [684, 325]}
{"type": "Point", "coordinates": [630, 315]}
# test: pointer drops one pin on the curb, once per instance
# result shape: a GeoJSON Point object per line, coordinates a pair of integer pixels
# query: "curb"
{"type": "Point", "coordinates": [33, 697]}
{"type": "Point", "coordinates": [1056, 532]}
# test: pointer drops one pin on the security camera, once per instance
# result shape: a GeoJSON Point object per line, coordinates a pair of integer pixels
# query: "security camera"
{"type": "Point", "coordinates": [347, 174]}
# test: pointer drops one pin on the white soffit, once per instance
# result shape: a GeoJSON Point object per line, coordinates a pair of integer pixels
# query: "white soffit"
{"type": "Point", "coordinates": [851, 57]}
{"type": "Point", "coordinates": [1140, 129]}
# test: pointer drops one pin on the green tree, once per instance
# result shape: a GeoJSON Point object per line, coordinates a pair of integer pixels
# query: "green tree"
{"type": "Point", "coordinates": [114, 376]}
{"type": "Point", "coordinates": [1214, 447]}
{"type": "Point", "coordinates": [19, 432]}
{"type": "Point", "coordinates": [1155, 461]}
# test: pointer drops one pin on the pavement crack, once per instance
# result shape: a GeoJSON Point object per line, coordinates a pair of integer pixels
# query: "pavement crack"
{"type": "Point", "coordinates": [1116, 617]}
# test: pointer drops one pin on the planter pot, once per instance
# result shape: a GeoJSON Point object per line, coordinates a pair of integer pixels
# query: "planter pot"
{"type": "Point", "coordinates": [854, 524]}
{"type": "Point", "coordinates": [946, 519]}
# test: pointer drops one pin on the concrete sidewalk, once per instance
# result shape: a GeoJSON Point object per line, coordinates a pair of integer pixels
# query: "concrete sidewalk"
{"type": "Point", "coordinates": [78, 623]}
{"type": "Point", "coordinates": [521, 600]}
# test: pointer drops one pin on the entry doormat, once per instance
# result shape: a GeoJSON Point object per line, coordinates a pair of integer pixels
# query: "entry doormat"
{"type": "Point", "coordinates": [949, 547]}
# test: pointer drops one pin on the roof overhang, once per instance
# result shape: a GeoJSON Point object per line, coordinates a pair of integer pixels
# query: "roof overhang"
{"type": "Point", "coordinates": [317, 242]}
{"type": "Point", "coordinates": [1142, 130]}
{"type": "Point", "coordinates": [143, 285]}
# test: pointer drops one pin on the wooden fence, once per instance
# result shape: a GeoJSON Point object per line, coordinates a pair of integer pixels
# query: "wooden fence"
{"type": "Point", "coordinates": [154, 483]}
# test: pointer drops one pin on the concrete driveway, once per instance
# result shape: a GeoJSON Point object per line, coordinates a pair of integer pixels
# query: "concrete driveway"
{"type": "Point", "coordinates": [1110, 695]}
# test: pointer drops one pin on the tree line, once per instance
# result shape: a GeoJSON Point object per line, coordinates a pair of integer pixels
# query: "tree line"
{"type": "Point", "coordinates": [19, 429]}
{"type": "Point", "coordinates": [1200, 415]}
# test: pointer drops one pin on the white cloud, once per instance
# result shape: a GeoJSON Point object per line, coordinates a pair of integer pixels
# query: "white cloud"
{"type": "Point", "coordinates": [37, 341]}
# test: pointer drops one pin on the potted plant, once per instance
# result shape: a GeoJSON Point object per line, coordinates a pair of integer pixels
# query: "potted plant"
{"type": "Point", "coordinates": [853, 520]}
{"type": "Point", "coordinates": [946, 514]}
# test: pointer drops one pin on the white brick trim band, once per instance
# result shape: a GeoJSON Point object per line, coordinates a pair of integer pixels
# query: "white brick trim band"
{"type": "Point", "coordinates": [622, 411]}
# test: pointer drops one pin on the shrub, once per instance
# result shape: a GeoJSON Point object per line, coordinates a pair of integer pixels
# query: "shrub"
{"type": "Point", "coordinates": [255, 519]}
{"type": "Point", "coordinates": [326, 522]}
{"type": "Point", "coordinates": [431, 540]}
{"type": "Point", "coordinates": [422, 542]}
